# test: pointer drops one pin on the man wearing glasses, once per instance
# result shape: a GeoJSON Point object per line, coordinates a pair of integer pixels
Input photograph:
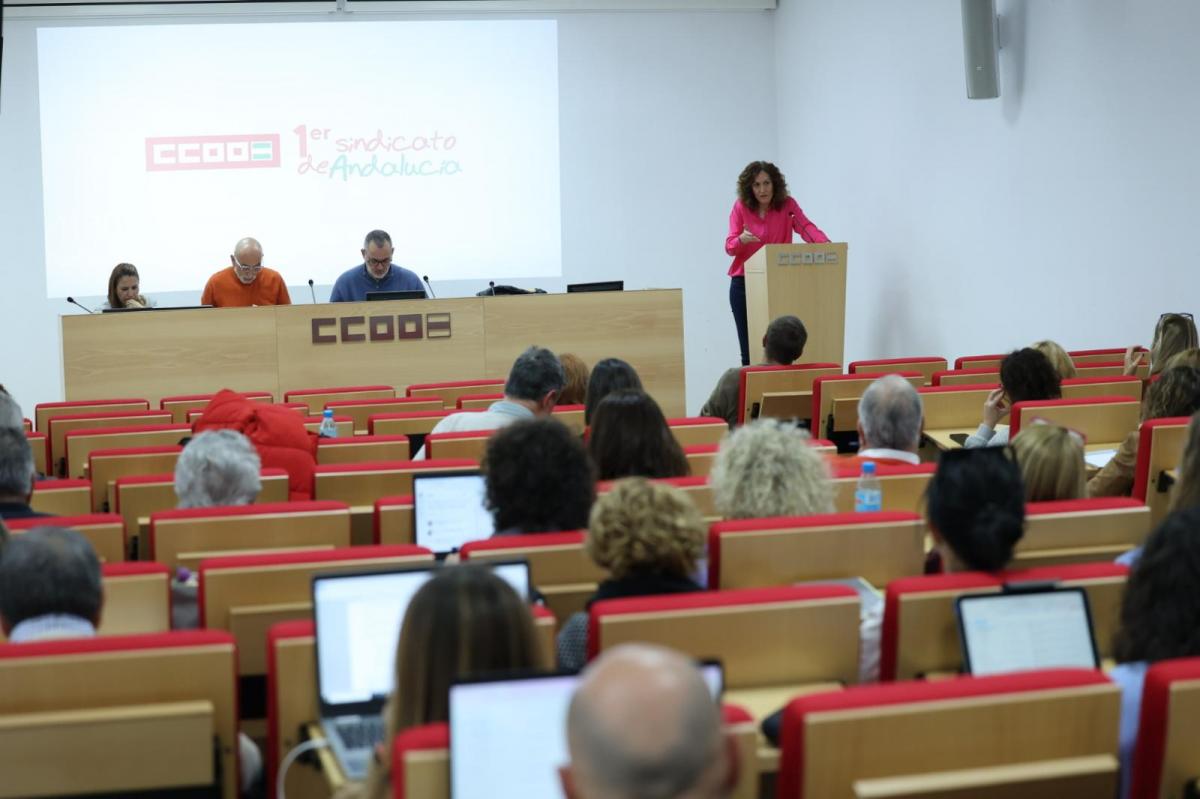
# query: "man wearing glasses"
{"type": "Point", "coordinates": [246, 282]}
{"type": "Point", "coordinates": [375, 273]}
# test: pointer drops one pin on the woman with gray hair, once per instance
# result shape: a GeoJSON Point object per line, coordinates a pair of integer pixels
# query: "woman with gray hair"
{"type": "Point", "coordinates": [767, 468]}
{"type": "Point", "coordinates": [217, 467]}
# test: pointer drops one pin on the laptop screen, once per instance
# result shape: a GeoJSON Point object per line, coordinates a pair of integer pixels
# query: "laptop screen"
{"type": "Point", "coordinates": [449, 510]}
{"type": "Point", "coordinates": [1026, 630]}
{"type": "Point", "coordinates": [358, 619]}
{"type": "Point", "coordinates": [509, 737]}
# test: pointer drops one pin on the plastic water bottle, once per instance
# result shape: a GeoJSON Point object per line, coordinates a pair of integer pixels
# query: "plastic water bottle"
{"type": "Point", "coordinates": [868, 495]}
{"type": "Point", "coordinates": [329, 427]}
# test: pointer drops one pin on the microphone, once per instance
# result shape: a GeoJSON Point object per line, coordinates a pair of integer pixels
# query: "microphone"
{"type": "Point", "coordinates": [492, 286]}
{"type": "Point", "coordinates": [84, 307]}
{"type": "Point", "coordinates": [427, 283]}
{"type": "Point", "coordinates": [312, 291]}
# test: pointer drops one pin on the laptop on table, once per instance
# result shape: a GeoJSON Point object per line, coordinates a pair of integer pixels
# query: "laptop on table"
{"type": "Point", "coordinates": [358, 618]}
{"type": "Point", "coordinates": [449, 510]}
{"type": "Point", "coordinates": [508, 735]}
{"type": "Point", "coordinates": [1026, 628]}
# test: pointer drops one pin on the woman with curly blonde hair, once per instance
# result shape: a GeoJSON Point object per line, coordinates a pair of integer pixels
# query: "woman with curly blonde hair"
{"type": "Point", "coordinates": [648, 537]}
{"type": "Point", "coordinates": [767, 468]}
{"type": "Point", "coordinates": [764, 213]}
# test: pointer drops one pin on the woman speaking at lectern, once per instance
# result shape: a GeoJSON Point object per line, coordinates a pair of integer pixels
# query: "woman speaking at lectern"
{"type": "Point", "coordinates": [764, 213]}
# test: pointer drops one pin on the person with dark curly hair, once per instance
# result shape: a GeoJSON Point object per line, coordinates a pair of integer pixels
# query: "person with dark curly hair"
{"type": "Point", "coordinates": [1025, 374]}
{"type": "Point", "coordinates": [1175, 393]}
{"type": "Point", "coordinates": [629, 437]}
{"type": "Point", "coordinates": [764, 213]}
{"type": "Point", "coordinates": [609, 375]}
{"type": "Point", "coordinates": [1160, 617]}
{"type": "Point", "coordinates": [539, 478]}
{"type": "Point", "coordinates": [975, 512]}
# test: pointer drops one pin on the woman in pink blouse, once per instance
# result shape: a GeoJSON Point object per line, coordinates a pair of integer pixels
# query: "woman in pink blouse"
{"type": "Point", "coordinates": [764, 214]}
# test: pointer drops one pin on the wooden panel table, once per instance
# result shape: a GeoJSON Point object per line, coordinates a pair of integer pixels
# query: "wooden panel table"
{"type": "Point", "coordinates": [277, 349]}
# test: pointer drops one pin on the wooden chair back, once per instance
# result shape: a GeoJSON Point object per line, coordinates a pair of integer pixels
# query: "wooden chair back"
{"type": "Point", "coordinates": [927, 366]}
{"type": "Point", "coordinates": [80, 444]}
{"type": "Point", "coordinates": [1085, 357]}
{"type": "Point", "coordinates": [62, 497]}
{"type": "Point", "coordinates": [920, 632]}
{"type": "Point", "coordinates": [558, 565]}
{"type": "Point", "coordinates": [692, 430]}
{"type": "Point", "coordinates": [315, 398]}
{"type": "Point", "coordinates": [790, 387]}
{"type": "Point", "coordinates": [571, 416]}
{"type": "Point", "coordinates": [40, 444]}
{"type": "Point", "coordinates": [407, 423]}
{"type": "Point", "coordinates": [991, 362]}
{"type": "Point", "coordinates": [1118, 386]}
{"type": "Point", "coordinates": [185, 537]}
{"type": "Point", "coordinates": [359, 411]}
{"type": "Point", "coordinates": [1166, 759]}
{"type": "Point", "coordinates": [477, 402]}
{"type": "Point", "coordinates": [903, 486]}
{"type": "Point", "coordinates": [361, 484]}
{"type": "Point", "coordinates": [43, 412]}
{"type": "Point", "coordinates": [1111, 369]}
{"type": "Point", "coordinates": [1081, 531]}
{"type": "Point", "coordinates": [343, 424]}
{"type": "Point", "coordinates": [835, 400]}
{"type": "Point", "coordinates": [449, 391]}
{"type": "Point", "coordinates": [1160, 447]}
{"type": "Point", "coordinates": [1101, 420]}
{"type": "Point", "coordinates": [362, 449]}
{"type": "Point", "coordinates": [180, 405]}
{"type": "Point", "coordinates": [393, 521]}
{"type": "Point", "coordinates": [1012, 736]}
{"type": "Point", "coordinates": [130, 713]}
{"type": "Point", "coordinates": [59, 426]}
{"type": "Point", "coordinates": [469, 445]}
{"type": "Point", "coordinates": [755, 553]}
{"type": "Point", "coordinates": [105, 531]}
{"type": "Point", "coordinates": [105, 466]}
{"type": "Point", "coordinates": [968, 377]}
{"type": "Point", "coordinates": [764, 637]}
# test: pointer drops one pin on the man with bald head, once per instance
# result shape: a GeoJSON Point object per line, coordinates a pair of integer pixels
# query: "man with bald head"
{"type": "Point", "coordinates": [246, 282]}
{"type": "Point", "coordinates": [643, 725]}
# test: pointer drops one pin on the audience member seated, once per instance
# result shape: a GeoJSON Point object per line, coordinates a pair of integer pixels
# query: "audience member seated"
{"type": "Point", "coordinates": [1175, 393]}
{"type": "Point", "coordinates": [650, 539]}
{"type": "Point", "coordinates": [1051, 461]}
{"type": "Point", "coordinates": [49, 586]}
{"type": "Point", "coordinates": [465, 622]}
{"type": "Point", "coordinates": [784, 344]}
{"type": "Point", "coordinates": [1173, 333]}
{"type": "Point", "coordinates": [767, 468]}
{"type": "Point", "coordinates": [246, 281]}
{"type": "Point", "coordinates": [643, 724]}
{"type": "Point", "coordinates": [1160, 617]}
{"type": "Point", "coordinates": [539, 478]}
{"type": "Point", "coordinates": [1058, 358]}
{"type": "Point", "coordinates": [218, 467]}
{"type": "Point", "coordinates": [576, 372]}
{"type": "Point", "coordinates": [277, 434]}
{"type": "Point", "coordinates": [375, 273]}
{"type": "Point", "coordinates": [17, 473]}
{"type": "Point", "coordinates": [890, 418]}
{"type": "Point", "coordinates": [11, 417]}
{"type": "Point", "coordinates": [609, 375]}
{"type": "Point", "coordinates": [534, 383]}
{"type": "Point", "coordinates": [123, 285]}
{"type": "Point", "coordinates": [1025, 375]}
{"type": "Point", "coordinates": [1186, 493]}
{"type": "Point", "coordinates": [975, 511]}
{"type": "Point", "coordinates": [629, 437]}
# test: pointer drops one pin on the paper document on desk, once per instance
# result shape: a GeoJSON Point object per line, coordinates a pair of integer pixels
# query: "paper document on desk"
{"type": "Point", "coordinates": [1099, 458]}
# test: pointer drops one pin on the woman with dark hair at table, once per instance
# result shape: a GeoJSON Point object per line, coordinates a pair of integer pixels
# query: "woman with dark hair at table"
{"type": "Point", "coordinates": [764, 213]}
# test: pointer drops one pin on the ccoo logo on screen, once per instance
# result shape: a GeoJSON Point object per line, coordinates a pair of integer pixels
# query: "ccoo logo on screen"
{"type": "Point", "coordinates": [234, 151]}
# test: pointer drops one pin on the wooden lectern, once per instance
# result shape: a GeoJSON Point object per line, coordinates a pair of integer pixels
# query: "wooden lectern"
{"type": "Point", "coordinates": [807, 280]}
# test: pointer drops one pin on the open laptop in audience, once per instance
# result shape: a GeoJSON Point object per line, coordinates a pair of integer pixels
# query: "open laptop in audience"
{"type": "Point", "coordinates": [358, 618]}
{"type": "Point", "coordinates": [508, 736]}
{"type": "Point", "coordinates": [1026, 628]}
{"type": "Point", "coordinates": [449, 510]}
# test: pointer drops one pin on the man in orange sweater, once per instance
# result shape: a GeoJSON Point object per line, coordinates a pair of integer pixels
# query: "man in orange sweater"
{"type": "Point", "coordinates": [246, 282]}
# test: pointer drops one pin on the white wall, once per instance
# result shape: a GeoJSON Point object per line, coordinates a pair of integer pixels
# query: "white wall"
{"type": "Point", "coordinates": [1065, 209]}
{"type": "Point", "coordinates": [658, 114]}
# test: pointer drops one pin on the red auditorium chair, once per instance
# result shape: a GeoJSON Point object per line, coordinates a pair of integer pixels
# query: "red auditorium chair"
{"type": "Point", "coordinates": [790, 388]}
{"type": "Point", "coordinates": [1160, 449]}
{"type": "Point", "coordinates": [925, 365]}
{"type": "Point", "coordinates": [1166, 758]}
{"type": "Point", "coordinates": [1035, 734]}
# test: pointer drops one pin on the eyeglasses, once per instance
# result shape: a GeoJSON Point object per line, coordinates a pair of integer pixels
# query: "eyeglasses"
{"type": "Point", "coordinates": [246, 267]}
{"type": "Point", "coordinates": [379, 261]}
